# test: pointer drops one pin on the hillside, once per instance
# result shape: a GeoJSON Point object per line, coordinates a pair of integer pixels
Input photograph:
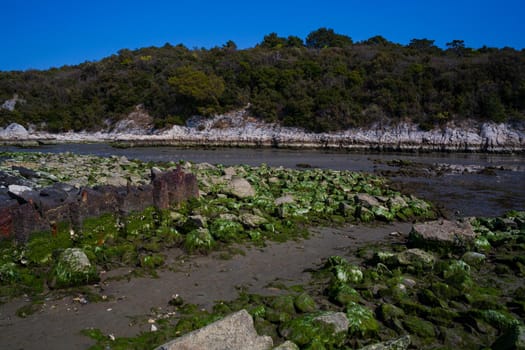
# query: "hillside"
{"type": "Point", "coordinates": [324, 83]}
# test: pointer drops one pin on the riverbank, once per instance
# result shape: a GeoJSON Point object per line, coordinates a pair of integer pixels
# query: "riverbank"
{"type": "Point", "coordinates": [238, 129]}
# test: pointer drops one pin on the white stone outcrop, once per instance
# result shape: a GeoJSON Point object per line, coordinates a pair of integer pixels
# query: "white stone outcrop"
{"type": "Point", "coordinates": [239, 129]}
{"type": "Point", "coordinates": [14, 131]}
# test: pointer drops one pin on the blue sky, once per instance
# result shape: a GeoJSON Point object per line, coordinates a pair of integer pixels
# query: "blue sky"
{"type": "Point", "coordinates": [43, 34]}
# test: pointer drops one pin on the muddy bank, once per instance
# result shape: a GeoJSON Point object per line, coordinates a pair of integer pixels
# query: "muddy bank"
{"type": "Point", "coordinates": [200, 280]}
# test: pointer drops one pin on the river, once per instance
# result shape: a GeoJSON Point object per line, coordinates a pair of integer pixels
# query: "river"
{"type": "Point", "coordinates": [464, 194]}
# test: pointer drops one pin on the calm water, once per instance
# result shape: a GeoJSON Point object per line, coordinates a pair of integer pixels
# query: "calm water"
{"type": "Point", "coordinates": [467, 194]}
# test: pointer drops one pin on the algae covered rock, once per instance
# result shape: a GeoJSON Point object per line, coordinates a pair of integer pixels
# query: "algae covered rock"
{"type": "Point", "coordinates": [361, 320]}
{"type": "Point", "coordinates": [325, 329]}
{"type": "Point", "coordinates": [474, 259]}
{"type": "Point", "coordinates": [416, 257]}
{"type": "Point", "coordinates": [395, 344]}
{"type": "Point", "coordinates": [73, 268]}
{"type": "Point", "coordinates": [513, 338]}
{"type": "Point", "coordinates": [420, 327]}
{"type": "Point", "coordinates": [343, 271]}
{"type": "Point", "coordinates": [341, 293]}
{"type": "Point", "coordinates": [199, 240]}
{"type": "Point", "coordinates": [305, 303]}
{"type": "Point", "coordinates": [226, 230]}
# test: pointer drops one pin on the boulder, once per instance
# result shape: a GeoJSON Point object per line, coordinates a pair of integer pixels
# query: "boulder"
{"type": "Point", "coordinates": [366, 200]}
{"type": "Point", "coordinates": [474, 259]}
{"type": "Point", "coordinates": [17, 191]}
{"type": "Point", "coordinates": [174, 187]}
{"type": "Point", "coordinates": [442, 234]}
{"type": "Point", "coordinates": [73, 268]}
{"type": "Point", "coordinates": [26, 220]}
{"type": "Point", "coordinates": [337, 319]}
{"type": "Point", "coordinates": [416, 256]}
{"type": "Point", "coordinates": [14, 131]}
{"type": "Point", "coordinates": [286, 199]}
{"type": "Point", "coordinates": [235, 331]}
{"type": "Point", "coordinates": [252, 221]}
{"type": "Point", "coordinates": [240, 188]}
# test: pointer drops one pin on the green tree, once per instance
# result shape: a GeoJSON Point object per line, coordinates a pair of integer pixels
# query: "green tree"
{"type": "Point", "coordinates": [325, 37]}
{"type": "Point", "coordinates": [198, 88]}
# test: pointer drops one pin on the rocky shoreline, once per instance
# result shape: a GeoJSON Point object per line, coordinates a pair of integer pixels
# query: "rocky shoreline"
{"type": "Point", "coordinates": [238, 129]}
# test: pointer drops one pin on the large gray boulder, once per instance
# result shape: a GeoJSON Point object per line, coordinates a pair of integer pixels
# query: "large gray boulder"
{"type": "Point", "coordinates": [337, 319]}
{"type": "Point", "coordinates": [240, 188]}
{"type": "Point", "coordinates": [233, 332]}
{"type": "Point", "coordinates": [442, 234]}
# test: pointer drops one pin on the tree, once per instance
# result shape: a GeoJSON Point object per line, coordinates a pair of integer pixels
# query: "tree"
{"type": "Point", "coordinates": [273, 41]}
{"type": "Point", "coordinates": [377, 40]}
{"type": "Point", "coordinates": [294, 41]}
{"type": "Point", "coordinates": [201, 90]}
{"type": "Point", "coordinates": [324, 37]}
{"type": "Point", "coordinates": [422, 44]}
{"type": "Point", "coordinates": [230, 45]}
{"type": "Point", "coordinates": [457, 46]}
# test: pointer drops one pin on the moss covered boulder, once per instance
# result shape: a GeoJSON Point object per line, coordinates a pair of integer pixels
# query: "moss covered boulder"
{"type": "Point", "coordinates": [73, 268]}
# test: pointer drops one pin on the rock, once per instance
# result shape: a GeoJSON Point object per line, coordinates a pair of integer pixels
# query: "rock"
{"type": "Point", "coordinates": [397, 203]}
{"type": "Point", "coordinates": [198, 220]}
{"type": "Point", "coordinates": [416, 256]}
{"type": "Point", "coordinates": [307, 329]}
{"type": "Point", "coordinates": [474, 259]}
{"type": "Point", "coordinates": [205, 166]}
{"type": "Point", "coordinates": [229, 172]}
{"type": "Point", "coordinates": [235, 331]}
{"type": "Point", "coordinates": [174, 187]}
{"type": "Point", "coordinates": [442, 234]}
{"type": "Point", "coordinates": [304, 303]}
{"type": "Point", "coordinates": [366, 200]}
{"type": "Point", "coordinates": [25, 172]}
{"type": "Point", "coordinates": [117, 181]}
{"type": "Point", "coordinates": [513, 338]}
{"type": "Point", "coordinates": [287, 345]}
{"type": "Point", "coordinates": [14, 131]}
{"type": "Point", "coordinates": [154, 171]}
{"type": "Point", "coordinates": [73, 268]}
{"type": "Point", "coordinates": [287, 199]}
{"type": "Point", "coordinates": [337, 319]}
{"type": "Point", "coordinates": [240, 188]}
{"type": "Point", "coordinates": [252, 221]}
{"type": "Point", "coordinates": [396, 344]}
{"type": "Point", "coordinates": [26, 220]}
{"type": "Point", "coordinates": [18, 190]}
{"type": "Point", "coordinates": [418, 326]}
{"type": "Point", "coordinates": [361, 320]}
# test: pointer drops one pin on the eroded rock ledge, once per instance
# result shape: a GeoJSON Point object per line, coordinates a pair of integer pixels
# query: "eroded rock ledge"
{"type": "Point", "coordinates": [25, 210]}
{"type": "Point", "coordinates": [238, 129]}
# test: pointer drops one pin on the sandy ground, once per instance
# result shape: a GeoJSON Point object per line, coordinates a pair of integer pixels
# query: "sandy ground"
{"type": "Point", "coordinates": [197, 279]}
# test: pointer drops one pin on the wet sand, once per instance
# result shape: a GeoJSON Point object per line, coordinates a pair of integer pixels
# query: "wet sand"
{"type": "Point", "coordinates": [197, 279]}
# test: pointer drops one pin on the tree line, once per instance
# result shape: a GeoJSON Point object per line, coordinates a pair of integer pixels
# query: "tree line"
{"type": "Point", "coordinates": [325, 82]}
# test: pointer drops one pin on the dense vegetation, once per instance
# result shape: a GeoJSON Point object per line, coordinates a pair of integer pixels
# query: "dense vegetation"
{"type": "Point", "coordinates": [326, 82]}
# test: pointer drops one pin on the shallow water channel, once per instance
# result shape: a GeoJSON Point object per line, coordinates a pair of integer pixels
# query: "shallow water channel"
{"type": "Point", "coordinates": [458, 193]}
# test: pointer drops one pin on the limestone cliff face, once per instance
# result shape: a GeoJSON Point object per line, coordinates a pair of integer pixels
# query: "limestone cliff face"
{"type": "Point", "coordinates": [239, 129]}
